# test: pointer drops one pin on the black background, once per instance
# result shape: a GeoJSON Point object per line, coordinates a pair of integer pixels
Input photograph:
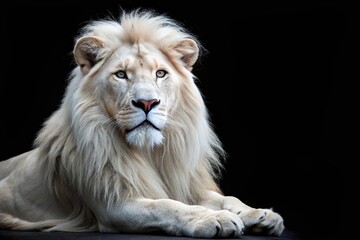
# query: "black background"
{"type": "Point", "coordinates": [275, 79]}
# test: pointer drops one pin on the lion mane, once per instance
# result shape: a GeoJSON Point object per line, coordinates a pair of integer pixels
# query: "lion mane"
{"type": "Point", "coordinates": [80, 146]}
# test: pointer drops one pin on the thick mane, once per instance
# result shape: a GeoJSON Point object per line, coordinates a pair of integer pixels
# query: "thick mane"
{"type": "Point", "coordinates": [81, 148]}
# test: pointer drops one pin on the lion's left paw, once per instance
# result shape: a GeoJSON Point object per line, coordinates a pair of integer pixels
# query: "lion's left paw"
{"type": "Point", "coordinates": [263, 221]}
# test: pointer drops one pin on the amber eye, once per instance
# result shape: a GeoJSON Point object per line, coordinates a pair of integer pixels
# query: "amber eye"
{"type": "Point", "coordinates": [161, 73]}
{"type": "Point", "coordinates": [121, 74]}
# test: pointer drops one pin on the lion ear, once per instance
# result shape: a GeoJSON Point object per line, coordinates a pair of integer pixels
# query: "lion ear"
{"type": "Point", "coordinates": [188, 52]}
{"type": "Point", "coordinates": [86, 51]}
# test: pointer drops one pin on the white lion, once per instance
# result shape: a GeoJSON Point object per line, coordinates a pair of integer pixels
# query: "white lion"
{"type": "Point", "coordinates": [131, 148]}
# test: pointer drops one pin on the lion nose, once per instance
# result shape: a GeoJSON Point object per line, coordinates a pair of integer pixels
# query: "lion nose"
{"type": "Point", "coordinates": [146, 105]}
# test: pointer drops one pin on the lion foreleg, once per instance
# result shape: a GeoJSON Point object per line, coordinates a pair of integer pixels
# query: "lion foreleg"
{"type": "Point", "coordinates": [255, 220]}
{"type": "Point", "coordinates": [172, 217]}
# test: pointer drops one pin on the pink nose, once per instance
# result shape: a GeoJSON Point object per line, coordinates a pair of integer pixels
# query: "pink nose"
{"type": "Point", "coordinates": [146, 105]}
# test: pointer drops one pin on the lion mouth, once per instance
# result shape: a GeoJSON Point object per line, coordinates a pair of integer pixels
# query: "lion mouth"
{"type": "Point", "coordinates": [144, 123]}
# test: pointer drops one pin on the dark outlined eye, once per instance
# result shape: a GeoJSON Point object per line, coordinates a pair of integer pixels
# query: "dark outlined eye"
{"type": "Point", "coordinates": [121, 74]}
{"type": "Point", "coordinates": [161, 73]}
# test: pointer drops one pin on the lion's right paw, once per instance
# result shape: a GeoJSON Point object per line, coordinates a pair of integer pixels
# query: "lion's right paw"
{"type": "Point", "coordinates": [219, 224]}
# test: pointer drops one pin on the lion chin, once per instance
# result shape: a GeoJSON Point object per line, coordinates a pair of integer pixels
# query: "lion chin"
{"type": "Point", "coordinates": [144, 135]}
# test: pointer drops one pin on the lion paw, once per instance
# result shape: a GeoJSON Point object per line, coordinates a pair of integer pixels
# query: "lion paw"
{"type": "Point", "coordinates": [219, 224]}
{"type": "Point", "coordinates": [263, 221]}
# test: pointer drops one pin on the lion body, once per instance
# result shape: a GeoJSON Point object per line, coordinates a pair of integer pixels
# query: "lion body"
{"type": "Point", "coordinates": [131, 140]}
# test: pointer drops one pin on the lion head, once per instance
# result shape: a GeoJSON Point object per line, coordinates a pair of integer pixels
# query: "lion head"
{"type": "Point", "coordinates": [139, 70]}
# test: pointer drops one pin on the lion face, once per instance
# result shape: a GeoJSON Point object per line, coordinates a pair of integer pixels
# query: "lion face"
{"type": "Point", "coordinates": [137, 71]}
{"type": "Point", "coordinates": [138, 87]}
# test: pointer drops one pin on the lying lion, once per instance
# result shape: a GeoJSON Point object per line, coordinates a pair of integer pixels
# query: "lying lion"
{"type": "Point", "coordinates": [131, 148]}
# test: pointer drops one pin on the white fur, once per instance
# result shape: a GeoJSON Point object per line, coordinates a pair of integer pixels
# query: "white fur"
{"type": "Point", "coordinates": [105, 168]}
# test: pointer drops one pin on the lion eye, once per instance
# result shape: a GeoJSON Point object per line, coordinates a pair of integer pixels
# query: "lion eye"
{"type": "Point", "coordinates": [161, 73]}
{"type": "Point", "coordinates": [121, 74]}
